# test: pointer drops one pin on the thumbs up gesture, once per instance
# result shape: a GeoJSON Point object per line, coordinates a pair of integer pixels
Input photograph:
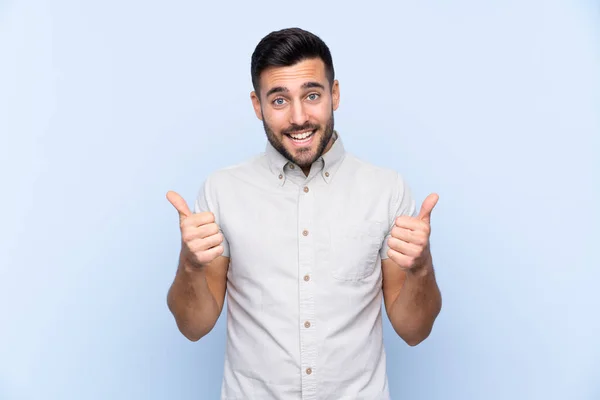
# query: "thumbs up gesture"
{"type": "Point", "coordinates": [409, 241]}
{"type": "Point", "coordinates": [200, 236]}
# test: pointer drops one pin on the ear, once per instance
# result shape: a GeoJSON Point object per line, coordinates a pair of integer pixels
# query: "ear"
{"type": "Point", "coordinates": [335, 94]}
{"type": "Point", "coordinates": [256, 104]}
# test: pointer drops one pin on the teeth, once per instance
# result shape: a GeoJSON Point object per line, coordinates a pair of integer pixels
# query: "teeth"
{"type": "Point", "coordinates": [301, 136]}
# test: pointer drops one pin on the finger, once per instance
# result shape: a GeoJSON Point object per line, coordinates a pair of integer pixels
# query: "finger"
{"type": "Point", "coordinates": [402, 247]}
{"type": "Point", "coordinates": [204, 244]}
{"type": "Point", "coordinates": [191, 233]}
{"type": "Point", "coordinates": [208, 230]}
{"type": "Point", "coordinates": [179, 203]}
{"type": "Point", "coordinates": [413, 224]}
{"type": "Point", "coordinates": [400, 259]}
{"type": "Point", "coordinates": [410, 236]}
{"type": "Point", "coordinates": [427, 207]}
{"type": "Point", "coordinates": [209, 255]}
{"type": "Point", "coordinates": [214, 252]}
{"type": "Point", "coordinates": [198, 220]}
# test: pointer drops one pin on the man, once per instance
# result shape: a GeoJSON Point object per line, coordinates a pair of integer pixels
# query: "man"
{"type": "Point", "coordinates": [306, 240]}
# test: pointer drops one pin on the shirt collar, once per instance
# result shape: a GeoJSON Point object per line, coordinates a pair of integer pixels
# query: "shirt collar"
{"type": "Point", "coordinates": [330, 161]}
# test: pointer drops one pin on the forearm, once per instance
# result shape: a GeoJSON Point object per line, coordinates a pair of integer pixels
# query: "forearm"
{"type": "Point", "coordinates": [190, 300]}
{"type": "Point", "coordinates": [419, 302]}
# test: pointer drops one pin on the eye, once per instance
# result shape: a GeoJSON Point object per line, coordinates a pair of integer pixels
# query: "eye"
{"type": "Point", "coordinates": [278, 101]}
{"type": "Point", "coordinates": [313, 96]}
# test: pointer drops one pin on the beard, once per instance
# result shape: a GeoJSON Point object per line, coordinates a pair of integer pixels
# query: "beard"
{"type": "Point", "coordinates": [303, 159]}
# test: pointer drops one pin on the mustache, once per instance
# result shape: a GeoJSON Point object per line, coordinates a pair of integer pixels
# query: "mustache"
{"type": "Point", "coordinates": [300, 128]}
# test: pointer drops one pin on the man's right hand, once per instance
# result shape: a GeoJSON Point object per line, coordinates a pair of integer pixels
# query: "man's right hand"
{"type": "Point", "coordinates": [200, 236]}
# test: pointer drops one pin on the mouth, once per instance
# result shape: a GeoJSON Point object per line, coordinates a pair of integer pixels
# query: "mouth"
{"type": "Point", "coordinates": [301, 138]}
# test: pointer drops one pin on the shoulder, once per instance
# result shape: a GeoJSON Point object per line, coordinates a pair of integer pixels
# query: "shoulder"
{"type": "Point", "coordinates": [231, 174]}
{"type": "Point", "coordinates": [387, 182]}
{"type": "Point", "coordinates": [368, 172]}
{"type": "Point", "coordinates": [224, 182]}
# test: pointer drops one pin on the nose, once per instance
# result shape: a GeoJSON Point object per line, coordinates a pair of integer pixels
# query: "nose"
{"type": "Point", "coordinates": [298, 115]}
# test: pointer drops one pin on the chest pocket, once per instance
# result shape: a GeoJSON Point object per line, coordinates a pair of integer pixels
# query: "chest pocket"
{"type": "Point", "coordinates": [355, 247]}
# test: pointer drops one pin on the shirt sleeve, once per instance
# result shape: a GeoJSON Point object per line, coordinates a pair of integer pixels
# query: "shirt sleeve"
{"type": "Point", "coordinates": [207, 200]}
{"type": "Point", "coordinates": [401, 203]}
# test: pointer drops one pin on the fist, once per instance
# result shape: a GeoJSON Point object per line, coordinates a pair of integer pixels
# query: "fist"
{"type": "Point", "coordinates": [409, 241]}
{"type": "Point", "coordinates": [201, 241]}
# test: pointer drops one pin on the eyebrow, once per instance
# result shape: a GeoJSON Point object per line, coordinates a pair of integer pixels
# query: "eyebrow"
{"type": "Point", "coordinates": [307, 85]}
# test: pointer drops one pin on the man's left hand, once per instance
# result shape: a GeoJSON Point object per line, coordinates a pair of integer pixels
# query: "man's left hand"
{"type": "Point", "coordinates": [409, 244]}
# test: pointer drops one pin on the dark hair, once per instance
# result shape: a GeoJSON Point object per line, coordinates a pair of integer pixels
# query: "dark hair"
{"type": "Point", "coordinates": [287, 47]}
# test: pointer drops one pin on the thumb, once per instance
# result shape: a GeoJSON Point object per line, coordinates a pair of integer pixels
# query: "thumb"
{"type": "Point", "coordinates": [427, 207]}
{"type": "Point", "coordinates": [180, 205]}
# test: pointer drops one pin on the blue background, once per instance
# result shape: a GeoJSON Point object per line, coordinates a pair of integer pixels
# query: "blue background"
{"type": "Point", "coordinates": [105, 106]}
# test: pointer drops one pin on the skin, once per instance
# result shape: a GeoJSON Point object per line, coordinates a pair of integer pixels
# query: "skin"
{"type": "Point", "coordinates": [411, 295]}
{"type": "Point", "coordinates": [296, 99]}
{"type": "Point", "coordinates": [197, 294]}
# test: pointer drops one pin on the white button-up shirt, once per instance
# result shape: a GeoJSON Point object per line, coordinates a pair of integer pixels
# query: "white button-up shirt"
{"type": "Point", "coordinates": [304, 293]}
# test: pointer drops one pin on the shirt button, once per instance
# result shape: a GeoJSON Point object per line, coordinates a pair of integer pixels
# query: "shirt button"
{"type": "Point", "coordinates": [305, 189]}
{"type": "Point", "coordinates": [280, 176]}
{"type": "Point", "coordinates": [292, 166]}
{"type": "Point", "coordinates": [327, 174]}
{"type": "Point", "coordinates": [306, 278]}
{"type": "Point", "coordinates": [308, 371]}
{"type": "Point", "coordinates": [305, 232]}
{"type": "Point", "coordinates": [307, 324]}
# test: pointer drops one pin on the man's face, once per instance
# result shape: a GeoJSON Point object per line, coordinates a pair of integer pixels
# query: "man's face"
{"type": "Point", "coordinates": [296, 106]}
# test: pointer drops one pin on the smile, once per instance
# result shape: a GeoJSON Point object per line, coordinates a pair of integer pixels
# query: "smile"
{"type": "Point", "coordinates": [302, 138]}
